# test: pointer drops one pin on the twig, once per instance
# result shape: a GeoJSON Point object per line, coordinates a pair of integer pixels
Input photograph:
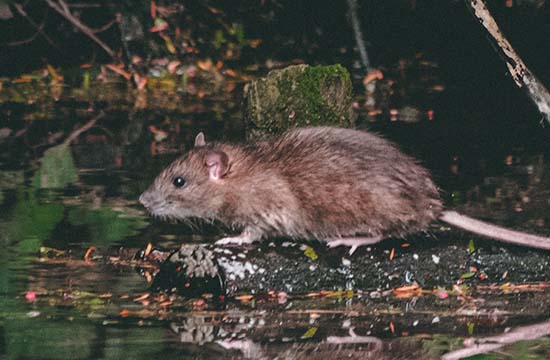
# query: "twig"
{"type": "Point", "coordinates": [485, 345]}
{"type": "Point", "coordinates": [76, 133]}
{"type": "Point", "coordinates": [358, 34]}
{"type": "Point", "coordinates": [104, 27]}
{"type": "Point", "coordinates": [522, 76]}
{"type": "Point", "coordinates": [61, 8]}
{"type": "Point", "coordinates": [39, 28]}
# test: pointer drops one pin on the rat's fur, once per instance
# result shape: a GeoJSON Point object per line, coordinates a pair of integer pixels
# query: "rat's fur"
{"type": "Point", "coordinates": [319, 182]}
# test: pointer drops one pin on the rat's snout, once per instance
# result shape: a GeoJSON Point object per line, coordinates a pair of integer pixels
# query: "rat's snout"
{"type": "Point", "coordinates": [146, 199]}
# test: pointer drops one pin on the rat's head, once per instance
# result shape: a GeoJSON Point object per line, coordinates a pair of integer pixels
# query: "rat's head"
{"type": "Point", "coordinates": [192, 186]}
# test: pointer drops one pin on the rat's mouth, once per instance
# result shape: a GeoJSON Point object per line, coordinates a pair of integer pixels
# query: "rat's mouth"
{"type": "Point", "coordinates": [158, 207]}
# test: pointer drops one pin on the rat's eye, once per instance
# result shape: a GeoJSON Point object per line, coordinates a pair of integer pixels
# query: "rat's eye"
{"type": "Point", "coordinates": [178, 181]}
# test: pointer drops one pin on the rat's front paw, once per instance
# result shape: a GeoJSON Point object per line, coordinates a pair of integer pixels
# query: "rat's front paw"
{"type": "Point", "coordinates": [234, 240]}
{"type": "Point", "coordinates": [247, 237]}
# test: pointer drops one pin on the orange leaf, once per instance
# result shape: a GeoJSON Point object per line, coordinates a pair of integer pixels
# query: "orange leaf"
{"type": "Point", "coordinates": [213, 10]}
{"type": "Point", "coordinates": [124, 313]}
{"type": "Point", "coordinates": [119, 71]}
{"type": "Point", "coordinates": [244, 298]}
{"type": "Point", "coordinates": [483, 276]}
{"type": "Point", "coordinates": [392, 254]}
{"type": "Point", "coordinates": [373, 75]}
{"type": "Point", "coordinates": [231, 72]}
{"type": "Point", "coordinates": [407, 288]}
{"type": "Point", "coordinates": [141, 82]}
{"type": "Point", "coordinates": [205, 65]}
{"type": "Point", "coordinates": [158, 28]}
{"type": "Point", "coordinates": [88, 253]}
{"type": "Point", "coordinates": [22, 80]}
{"type": "Point", "coordinates": [172, 66]}
{"type": "Point", "coordinates": [142, 297]}
{"type": "Point", "coordinates": [148, 249]}
{"type": "Point", "coordinates": [153, 9]}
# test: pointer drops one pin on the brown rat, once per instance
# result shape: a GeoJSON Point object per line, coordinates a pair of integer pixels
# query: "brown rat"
{"type": "Point", "coordinates": [341, 186]}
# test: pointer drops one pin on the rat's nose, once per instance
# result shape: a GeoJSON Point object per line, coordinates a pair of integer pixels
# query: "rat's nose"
{"type": "Point", "coordinates": [145, 199]}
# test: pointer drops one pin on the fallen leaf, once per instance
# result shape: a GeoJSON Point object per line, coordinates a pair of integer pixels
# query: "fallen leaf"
{"type": "Point", "coordinates": [310, 333]}
{"type": "Point", "coordinates": [119, 70]}
{"type": "Point", "coordinates": [88, 253]}
{"type": "Point", "coordinates": [373, 75]}
{"type": "Point", "coordinates": [244, 298]}
{"type": "Point", "coordinates": [30, 296]}
{"type": "Point", "coordinates": [148, 249]}
{"type": "Point", "coordinates": [205, 65]}
{"type": "Point", "coordinates": [173, 66]}
{"type": "Point", "coordinates": [310, 253]}
{"type": "Point", "coordinates": [142, 297]}
{"type": "Point", "coordinates": [153, 9]}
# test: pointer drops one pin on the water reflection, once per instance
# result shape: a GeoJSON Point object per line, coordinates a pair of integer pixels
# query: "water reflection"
{"type": "Point", "coordinates": [283, 299]}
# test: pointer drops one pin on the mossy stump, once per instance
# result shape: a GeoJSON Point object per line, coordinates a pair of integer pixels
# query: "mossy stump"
{"type": "Point", "coordinates": [299, 95]}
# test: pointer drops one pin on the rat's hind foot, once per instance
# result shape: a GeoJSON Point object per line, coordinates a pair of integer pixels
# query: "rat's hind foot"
{"type": "Point", "coordinates": [353, 242]}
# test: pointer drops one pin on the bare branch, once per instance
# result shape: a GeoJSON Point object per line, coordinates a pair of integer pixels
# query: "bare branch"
{"type": "Point", "coordinates": [523, 77]}
{"type": "Point", "coordinates": [356, 26]}
{"type": "Point", "coordinates": [485, 345]}
{"type": "Point", "coordinates": [104, 27]}
{"type": "Point", "coordinates": [75, 134]}
{"type": "Point", "coordinates": [39, 28]}
{"type": "Point", "coordinates": [61, 8]}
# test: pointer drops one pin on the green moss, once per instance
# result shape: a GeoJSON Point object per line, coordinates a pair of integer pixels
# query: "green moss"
{"type": "Point", "coordinates": [300, 96]}
{"type": "Point", "coordinates": [311, 86]}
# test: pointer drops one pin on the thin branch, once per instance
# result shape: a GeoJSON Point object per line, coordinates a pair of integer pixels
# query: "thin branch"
{"type": "Point", "coordinates": [104, 27]}
{"type": "Point", "coordinates": [83, 5]}
{"type": "Point", "coordinates": [39, 28]}
{"type": "Point", "coordinates": [485, 345]}
{"type": "Point", "coordinates": [523, 77]}
{"type": "Point", "coordinates": [76, 133]}
{"type": "Point", "coordinates": [358, 34]}
{"type": "Point", "coordinates": [29, 39]}
{"type": "Point", "coordinates": [64, 5]}
{"type": "Point", "coordinates": [61, 8]}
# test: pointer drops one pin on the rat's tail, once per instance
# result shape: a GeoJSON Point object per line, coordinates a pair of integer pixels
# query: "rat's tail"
{"type": "Point", "coordinates": [495, 232]}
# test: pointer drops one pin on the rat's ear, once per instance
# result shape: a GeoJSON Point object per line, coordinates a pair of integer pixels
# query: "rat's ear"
{"type": "Point", "coordinates": [217, 163]}
{"type": "Point", "coordinates": [199, 140]}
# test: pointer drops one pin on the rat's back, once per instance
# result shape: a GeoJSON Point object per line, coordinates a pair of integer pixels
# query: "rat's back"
{"type": "Point", "coordinates": [350, 183]}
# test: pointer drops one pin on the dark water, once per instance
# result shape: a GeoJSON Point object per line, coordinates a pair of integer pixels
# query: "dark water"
{"type": "Point", "coordinates": [54, 304]}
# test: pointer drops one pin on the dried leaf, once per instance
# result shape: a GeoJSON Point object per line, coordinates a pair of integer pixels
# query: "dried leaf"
{"type": "Point", "coordinates": [310, 253]}
{"type": "Point", "coordinates": [119, 70]}
{"type": "Point", "coordinates": [467, 275]}
{"type": "Point", "coordinates": [310, 333]}
{"type": "Point", "coordinates": [142, 297]}
{"type": "Point", "coordinates": [89, 253]}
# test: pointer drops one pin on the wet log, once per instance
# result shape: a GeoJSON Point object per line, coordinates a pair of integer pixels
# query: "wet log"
{"type": "Point", "coordinates": [304, 268]}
